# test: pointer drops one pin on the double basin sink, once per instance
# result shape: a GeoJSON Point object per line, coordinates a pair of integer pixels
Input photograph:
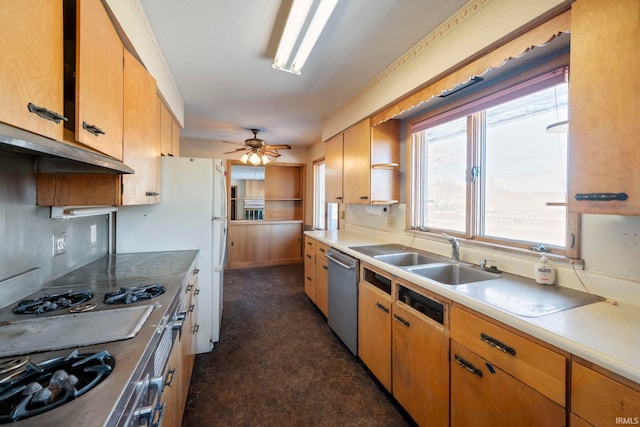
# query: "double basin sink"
{"type": "Point", "coordinates": [438, 269]}
{"type": "Point", "coordinates": [514, 294]}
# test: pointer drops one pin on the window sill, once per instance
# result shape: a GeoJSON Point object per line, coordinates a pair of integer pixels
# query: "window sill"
{"type": "Point", "coordinates": [506, 249]}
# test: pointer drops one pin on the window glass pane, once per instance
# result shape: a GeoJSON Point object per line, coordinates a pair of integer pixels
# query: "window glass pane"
{"type": "Point", "coordinates": [445, 192]}
{"type": "Point", "coordinates": [318, 192]}
{"type": "Point", "coordinates": [526, 168]}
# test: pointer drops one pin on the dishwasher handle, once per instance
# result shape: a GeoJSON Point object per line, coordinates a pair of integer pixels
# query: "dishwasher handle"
{"type": "Point", "coordinates": [334, 257]}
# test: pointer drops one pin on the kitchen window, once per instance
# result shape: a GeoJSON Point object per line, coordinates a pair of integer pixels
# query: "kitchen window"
{"type": "Point", "coordinates": [489, 170]}
{"type": "Point", "coordinates": [319, 205]}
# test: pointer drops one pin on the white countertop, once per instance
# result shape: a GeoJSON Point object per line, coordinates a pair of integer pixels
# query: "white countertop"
{"type": "Point", "coordinates": [602, 333]}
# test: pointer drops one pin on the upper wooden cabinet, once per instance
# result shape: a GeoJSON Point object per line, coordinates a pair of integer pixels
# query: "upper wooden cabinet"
{"type": "Point", "coordinates": [333, 157]}
{"type": "Point", "coordinates": [99, 80]}
{"type": "Point", "coordinates": [604, 109]}
{"type": "Point", "coordinates": [169, 133]}
{"type": "Point", "coordinates": [283, 192]}
{"type": "Point", "coordinates": [368, 168]}
{"type": "Point", "coordinates": [31, 66]}
{"type": "Point", "coordinates": [141, 135]}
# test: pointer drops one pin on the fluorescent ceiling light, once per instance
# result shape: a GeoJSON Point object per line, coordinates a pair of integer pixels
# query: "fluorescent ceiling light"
{"type": "Point", "coordinates": [295, 21]}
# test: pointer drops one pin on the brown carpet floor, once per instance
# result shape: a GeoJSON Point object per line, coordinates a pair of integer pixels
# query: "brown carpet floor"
{"type": "Point", "coordinates": [279, 364]}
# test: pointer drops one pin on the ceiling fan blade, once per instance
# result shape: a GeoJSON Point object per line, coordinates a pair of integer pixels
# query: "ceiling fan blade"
{"type": "Point", "coordinates": [278, 147]}
{"type": "Point", "coordinates": [271, 153]}
{"type": "Point", "coordinates": [236, 150]}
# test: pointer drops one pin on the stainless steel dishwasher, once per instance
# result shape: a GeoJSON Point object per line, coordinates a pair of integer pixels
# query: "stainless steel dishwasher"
{"type": "Point", "coordinates": [342, 313]}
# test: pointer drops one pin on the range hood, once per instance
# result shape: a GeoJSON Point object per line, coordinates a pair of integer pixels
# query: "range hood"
{"type": "Point", "coordinates": [55, 156]}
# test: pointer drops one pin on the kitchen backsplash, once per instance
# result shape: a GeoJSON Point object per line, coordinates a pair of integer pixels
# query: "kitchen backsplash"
{"type": "Point", "coordinates": [26, 230]}
{"type": "Point", "coordinates": [610, 250]}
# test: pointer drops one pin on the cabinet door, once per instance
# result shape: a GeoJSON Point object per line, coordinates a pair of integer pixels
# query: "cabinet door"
{"type": "Point", "coordinates": [374, 331]}
{"type": "Point", "coordinates": [99, 80]}
{"type": "Point", "coordinates": [420, 366]}
{"type": "Point", "coordinates": [285, 241]}
{"type": "Point", "coordinates": [31, 65]}
{"type": "Point", "coordinates": [322, 279]}
{"type": "Point", "coordinates": [604, 108]}
{"type": "Point", "coordinates": [310, 268]}
{"type": "Point", "coordinates": [165, 130]}
{"type": "Point", "coordinates": [357, 163]}
{"type": "Point", "coordinates": [171, 392]}
{"type": "Point", "coordinates": [248, 244]}
{"type": "Point", "coordinates": [175, 138]}
{"type": "Point", "coordinates": [601, 400]}
{"type": "Point", "coordinates": [333, 169]}
{"type": "Point", "coordinates": [141, 135]}
{"type": "Point", "coordinates": [484, 395]}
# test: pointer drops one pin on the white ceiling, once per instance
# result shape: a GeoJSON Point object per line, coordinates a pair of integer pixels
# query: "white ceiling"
{"type": "Point", "coordinates": [220, 53]}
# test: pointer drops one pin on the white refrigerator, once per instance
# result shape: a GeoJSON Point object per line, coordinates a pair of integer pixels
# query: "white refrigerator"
{"type": "Point", "coordinates": [191, 215]}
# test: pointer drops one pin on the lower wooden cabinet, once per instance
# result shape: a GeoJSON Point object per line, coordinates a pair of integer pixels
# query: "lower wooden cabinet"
{"type": "Point", "coordinates": [316, 284]}
{"type": "Point", "coordinates": [374, 327]}
{"type": "Point", "coordinates": [599, 399]}
{"type": "Point", "coordinates": [482, 394]}
{"type": "Point", "coordinates": [322, 278]}
{"type": "Point", "coordinates": [171, 399]}
{"type": "Point", "coordinates": [420, 374]}
{"type": "Point", "coordinates": [257, 244]}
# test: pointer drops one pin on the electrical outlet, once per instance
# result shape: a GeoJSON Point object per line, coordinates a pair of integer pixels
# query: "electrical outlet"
{"type": "Point", "coordinates": [94, 235]}
{"type": "Point", "coordinates": [59, 244]}
{"type": "Point", "coordinates": [392, 221]}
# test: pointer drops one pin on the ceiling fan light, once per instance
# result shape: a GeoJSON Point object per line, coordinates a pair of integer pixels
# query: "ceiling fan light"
{"type": "Point", "coordinates": [244, 158]}
{"type": "Point", "coordinates": [254, 159]}
{"type": "Point", "coordinates": [267, 159]}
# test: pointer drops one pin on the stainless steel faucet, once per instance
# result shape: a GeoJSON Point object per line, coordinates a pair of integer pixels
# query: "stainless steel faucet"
{"type": "Point", "coordinates": [455, 247]}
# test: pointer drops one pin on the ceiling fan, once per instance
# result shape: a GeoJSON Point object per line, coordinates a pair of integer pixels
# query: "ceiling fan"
{"type": "Point", "coordinates": [257, 152]}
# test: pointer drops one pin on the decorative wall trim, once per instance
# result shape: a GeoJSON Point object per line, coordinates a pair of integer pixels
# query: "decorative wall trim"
{"type": "Point", "coordinates": [436, 35]}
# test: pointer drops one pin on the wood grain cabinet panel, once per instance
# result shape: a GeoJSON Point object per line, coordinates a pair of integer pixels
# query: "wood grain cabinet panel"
{"type": "Point", "coordinates": [602, 400]}
{"type": "Point", "coordinates": [604, 108]}
{"type": "Point", "coordinates": [420, 360]}
{"type": "Point", "coordinates": [31, 65]}
{"type": "Point", "coordinates": [540, 368]}
{"type": "Point", "coordinates": [374, 331]}
{"type": "Point", "coordinates": [357, 163]}
{"type": "Point", "coordinates": [141, 135]}
{"type": "Point", "coordinates": [322, 278]}
{"type": "Point", "coordinates": [310, 268]}
{"type": "Point", "coordinates": [333, 165]}
{"type": "Point", "coordinates": [483, 394]}
{"type": "Point", "coordinates": [99, 80]}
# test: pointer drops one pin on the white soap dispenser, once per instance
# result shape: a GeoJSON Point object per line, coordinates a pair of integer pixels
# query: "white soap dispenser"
{"type": "Point", "coordinates": [544, 272]}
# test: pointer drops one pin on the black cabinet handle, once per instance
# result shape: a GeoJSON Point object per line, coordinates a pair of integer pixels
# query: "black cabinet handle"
{"type": "Point", "coordinates": [339, 198]}
{"type": "Point", "coordinates": [601, 197]}
{"type": "Point", "coordinates": [497, 344]}
{"type": "Point", "coordinates": [46, 113]}
{"type": "Point", "coordinates": [467, 365]}
{"type": "Point", "coordinates": [401, 320]}
{"type": "Point", "coordinates": [93, 130]}
{"type": "Point", "coordinates": [151, 193]}
{"type": "Point", "coordinates": [364, 197]}
{"type": "Point", "coordinates": [325, 267]}
{"type": "Point", "coordinates": [382, 307]}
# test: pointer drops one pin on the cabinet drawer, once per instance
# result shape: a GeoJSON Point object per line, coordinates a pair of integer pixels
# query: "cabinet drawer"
{"type": "Point", "coordinates": [601, 400]}
{"type": "Point", "coordinates": [309, 246]}
{"type": "Point", "coordinates": [309, 265]}
{"type": "Point", "coordinates": [537, 366]}
{"type": "Point", "coordinates": [482, 394]}
{"type": "Point", "coordinates": [321, 249]}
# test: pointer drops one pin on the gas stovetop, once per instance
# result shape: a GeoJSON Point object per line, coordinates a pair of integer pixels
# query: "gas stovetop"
{"type": "Point", "coordinates": [28, 389]}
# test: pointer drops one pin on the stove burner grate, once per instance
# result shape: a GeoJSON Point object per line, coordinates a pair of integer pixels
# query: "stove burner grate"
{"type": "Point", "coordinates": [134, 294]}
{"type": "Point", "coordinates": [38, 388]}
{"type": "Point", "coordinates": [47, 303]}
